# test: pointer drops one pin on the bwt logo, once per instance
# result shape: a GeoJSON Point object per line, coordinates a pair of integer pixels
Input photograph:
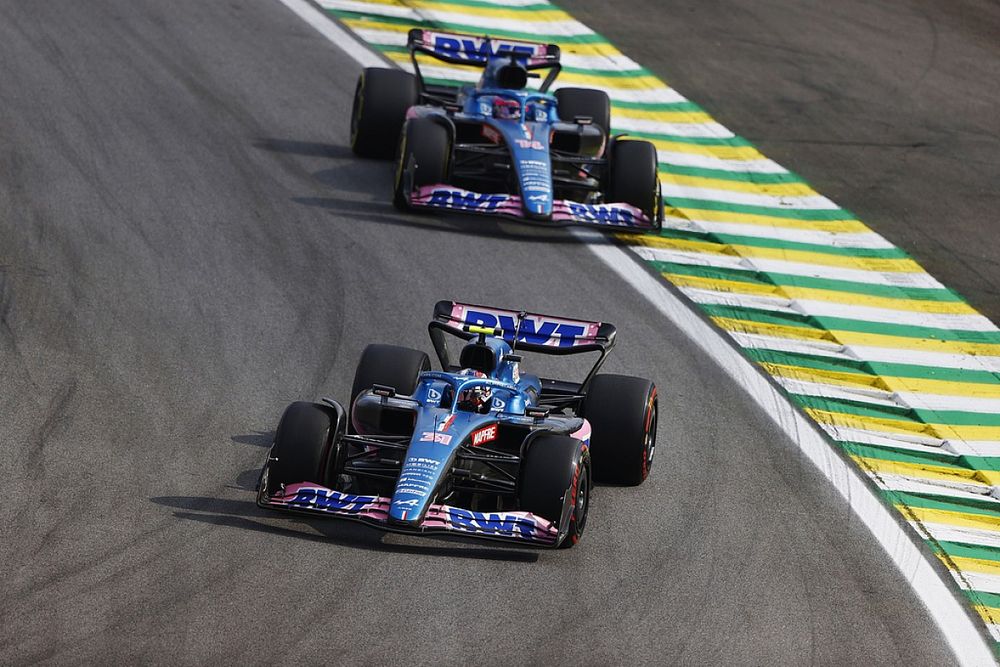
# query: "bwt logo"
{"type": "Point", "coordinates": [329, 500]}
{"type": "Point", "coordinates": [495, 523]}
{"type": "Point", "coordinates": [534, 332]}
{"type": "Point", "coordinates": [603, 214]}
{"type": "Point", "coordinates": [466, 201]}
{"type": "Point", "coordinates": [479, 50]}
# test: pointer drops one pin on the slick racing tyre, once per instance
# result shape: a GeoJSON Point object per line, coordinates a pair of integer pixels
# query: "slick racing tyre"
{"type": "Point", "coordinates": [307, 447]}
{"type": "Point", "coordinates": [381, 100]}
{"type": "Point", "coordinates": [594, 104]}
{"type": "Point", "coordinates": [422, 159]}
{"type": "Point", "coordinates": [633, 178]}
{"type": "Point", "coordinates": [622, 412]}
{"type": "Point", "coordinates": [555, 483]}
{"type": "Point", "coordinates": [389, 365]}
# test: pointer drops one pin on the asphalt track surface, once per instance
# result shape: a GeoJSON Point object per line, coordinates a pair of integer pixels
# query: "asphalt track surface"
{"type": "Point", "coordinates": [186, 245]}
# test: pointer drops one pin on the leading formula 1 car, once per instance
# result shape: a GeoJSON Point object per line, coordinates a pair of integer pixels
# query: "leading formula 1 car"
{"type": "Point", "coordinates": [477, 449]}
{"type": "Point", "coordinates": [497, 148]}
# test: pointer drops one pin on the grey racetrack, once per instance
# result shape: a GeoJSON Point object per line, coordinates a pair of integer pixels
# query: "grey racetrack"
{"type": "Point", "coordinates": [187, 244]}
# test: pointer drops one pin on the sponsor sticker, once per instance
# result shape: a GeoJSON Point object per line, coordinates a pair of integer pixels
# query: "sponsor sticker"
{"type": "Point", "coordinates": [432, 436]}
{"type": "Point", "coordinates": [484, 435]}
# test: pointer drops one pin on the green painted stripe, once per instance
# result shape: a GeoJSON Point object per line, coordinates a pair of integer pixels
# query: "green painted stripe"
{"type": "Point", "coordinates": [656, 106]}
{"type": "Point", "coordinates": [723, 175]}
{"type": "Point", "coordinates": [784, 279]}
{"type": "Point", "coordinates": [825, 323]}
{"type": "Point", "coordinates": [872, 369]}
{"type": "Point", "coordinates": [899, 413]}
{"type": "Point", "coordinates": [771, 242]}
{"type": "Point", "coordinates": [941, 460]}
{"type": "Point", "coordinates": [950, 504]}
{"type": "Point", "coordinates": [694, 205]}
{"type": "Point", "coordinates": [982, 597]}
{"type": "Point", "coordinates": [981, 552]}
{"type": "Point", "coordinates": [592, 38]}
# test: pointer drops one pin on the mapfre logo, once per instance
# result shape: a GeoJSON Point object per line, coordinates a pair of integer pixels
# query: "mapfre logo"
{"type": "Point", "coordinates": [484, 435]}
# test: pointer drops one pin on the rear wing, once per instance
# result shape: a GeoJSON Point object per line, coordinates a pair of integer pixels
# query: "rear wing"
{"type": "Point", "coordinates": [476, 50]}
{"type": "Point", "coordinates": [535, 332]}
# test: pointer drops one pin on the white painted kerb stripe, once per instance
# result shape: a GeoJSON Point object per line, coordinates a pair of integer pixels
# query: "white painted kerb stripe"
{"type": "Point", "coordinates": [958, 628]}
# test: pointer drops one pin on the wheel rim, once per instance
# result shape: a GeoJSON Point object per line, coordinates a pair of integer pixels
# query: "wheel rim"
{"type": "Point", "coordinates": [582, 501]}
{"type": "Point", "coordinates": [650, 447]}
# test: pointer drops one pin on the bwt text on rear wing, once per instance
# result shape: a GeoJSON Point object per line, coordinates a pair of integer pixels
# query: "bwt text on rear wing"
{"type": "Point", "coordinates": [533, 332]}
{"type": "Point", "coordinates": [475, 50]}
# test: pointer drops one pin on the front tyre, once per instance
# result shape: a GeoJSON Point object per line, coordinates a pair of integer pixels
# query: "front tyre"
{"type": "Point", "coordinates": [633, 178]}
{"type": "Point", "coordinates": [555, 484]}
{"type": "Point", "coordinates": [622, 412]}
{"type": "Point", "coordinates": [307, 447]}
{"type": "Point", "coordinates": [422, 158]}
{"type": "Point", "coordinates": [381, 99]}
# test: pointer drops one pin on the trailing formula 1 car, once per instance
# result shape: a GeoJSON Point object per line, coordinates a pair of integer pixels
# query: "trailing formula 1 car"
{"type": "Point", "coordinates": [498, 148]}
{"type": "Point", "coordinates": [477, 449]}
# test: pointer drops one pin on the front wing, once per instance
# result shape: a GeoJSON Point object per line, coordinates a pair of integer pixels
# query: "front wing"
{"type": "Point", "coordinates": [446, 197]}
{"type": "Point", "coordinates": [521, 527]}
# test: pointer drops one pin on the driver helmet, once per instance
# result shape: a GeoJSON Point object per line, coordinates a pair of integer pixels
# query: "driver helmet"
{"type": "Point", "coordinates": [477, 398]}
{"type": "Point", "coordinates": [506, 109]}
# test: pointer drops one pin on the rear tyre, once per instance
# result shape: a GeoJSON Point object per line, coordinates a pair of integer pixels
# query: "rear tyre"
{"type": "Point", "coordinates": [555, 484]}
{"type": "Point", "coordinates": [634, 179]}
{"type": "Point", "coordinates": [381, 99]}
{"type": "Point", "coordinates": [307, 448]}
{"type": "Point", "coordinates": [622, 412]}
{"type": "Point", "coordinates": [389, 365]}
{"type": "Point", "coordinates": [594, 104]}
{"type": "Point", "coordinates": [422, 158]}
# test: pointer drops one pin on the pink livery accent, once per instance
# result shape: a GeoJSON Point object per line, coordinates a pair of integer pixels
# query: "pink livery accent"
{"type": "Point", "coordinates": [583, 433]}
{"type": "Point", "coordinates": [447, 197]}
{"type": "Point", "coordinates": [523, 526]}
{"type": "Point", "coordinates": [507, 320]}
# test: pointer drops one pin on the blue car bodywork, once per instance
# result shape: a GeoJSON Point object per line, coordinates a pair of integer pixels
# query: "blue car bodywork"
{"type": "Point", "coordinates": [513, 155]}
{"type": "Point", "coordinates": [415, 460]}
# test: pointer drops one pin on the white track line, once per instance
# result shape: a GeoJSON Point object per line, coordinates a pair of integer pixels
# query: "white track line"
{"type": "Point", "coordinates": [952, 617]}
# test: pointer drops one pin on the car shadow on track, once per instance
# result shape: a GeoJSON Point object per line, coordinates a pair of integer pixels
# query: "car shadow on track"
{"type": "Point", "coordinates": [245, 515]}
{"type": "Point", "coordinates": [363, 173]}
{"type": "Point", "coordinates": [382, 212]}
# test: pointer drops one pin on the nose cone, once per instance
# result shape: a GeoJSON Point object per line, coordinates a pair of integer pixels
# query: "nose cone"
{"type": "Point", "coordinates": [427, 460]}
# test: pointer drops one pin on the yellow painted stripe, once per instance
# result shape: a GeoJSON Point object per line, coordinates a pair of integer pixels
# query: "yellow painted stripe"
{"type": "Point", "coordinates": [919, 471]}
{"type": "Point", "coordinates": [773, 189]}
{"type": "Point", "coordinates": [856, 338]}
{"type": "Point", "coordinates": [800, 256]}
{"type": "Point", "coordinates": [902, 427]}
{"type": "Point", "coordinates": [811, 293]}
{"type": "Point", "coordinates": [989, 614]}
{"type": "Point", "coordinates": [990, 522]}
{"type": "Point", "coordinates": [660, 116]}
{"type": "Point", "coordinates": [721, 152]}
{"type": "Point", "coordinates": [884, 382]}
{"type": "Point", "coordinates": [843, 226]}
{"type": "Point", "coordinates": [982, 565]}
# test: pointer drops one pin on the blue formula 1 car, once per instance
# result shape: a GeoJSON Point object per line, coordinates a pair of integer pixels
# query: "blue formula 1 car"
{"type": "Point", "coordinates": [499, 148]}
{"type": "Point", "coordinates": [477, 449]}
